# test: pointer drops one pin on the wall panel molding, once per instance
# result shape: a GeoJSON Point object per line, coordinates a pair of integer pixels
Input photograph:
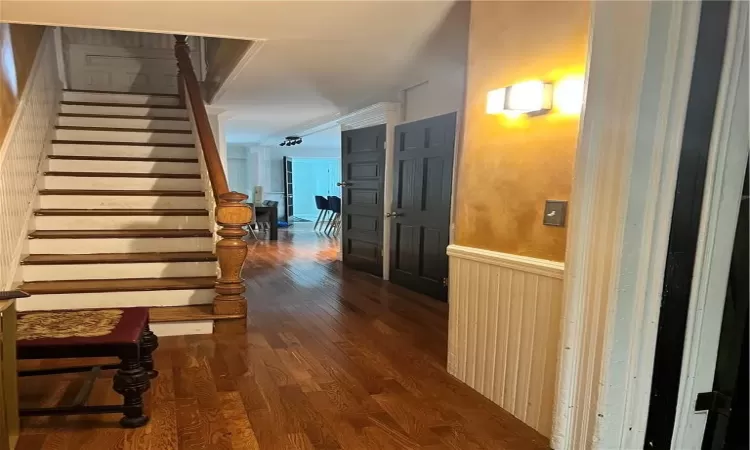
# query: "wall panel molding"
{"type": "Point", "coordinates": [543, 267]}
{"type": "Point", "coordinates": [21, 154]}
{"type": "Point", "coordinates": [504, 329]}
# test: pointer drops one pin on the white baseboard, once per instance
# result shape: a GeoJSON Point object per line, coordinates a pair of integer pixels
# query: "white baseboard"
{"type": "Point", "coordinates": [162, 329]}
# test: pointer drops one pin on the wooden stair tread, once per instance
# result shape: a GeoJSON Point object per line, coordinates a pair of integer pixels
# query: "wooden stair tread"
{"type": "Point", "coordinates": [187, 313]}
{"type": "Point", "coordinates": [85, 91]}
{"type": "Point", "coordinates": [129, 144]}
{"type": "Point", "coordinates": [122, 175]}
{"type": "Point", "coordinates": [126, 130]}
{"type": "Point", "coordinates": [119, 258]}
{"type": "Point", "coordinates": [123, 285]}
{"type": "Point", "coordinates": [121, 212]}
{"type": "Point", "coordinates": [120, 116]}
{"type": "Point", "coordinates": [127, 193]}
{"type": "Point", "coordinates": [122, 158]}
{"type": "Point", "coordinates": [97, 234]}
{"type": "Point", "coordinates": [122, 105]}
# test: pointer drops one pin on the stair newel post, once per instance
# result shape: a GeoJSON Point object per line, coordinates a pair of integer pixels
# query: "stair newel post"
{"type": "Point", "coordinates": [181, 45]}
{"type": "Point", "coordinates": [232, 215]}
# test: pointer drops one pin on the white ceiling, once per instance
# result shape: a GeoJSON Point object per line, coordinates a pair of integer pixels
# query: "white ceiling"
{"type": "Point", "coordinates": [290, 85]}
{"type": "Point", "coordinates": [316, 59]}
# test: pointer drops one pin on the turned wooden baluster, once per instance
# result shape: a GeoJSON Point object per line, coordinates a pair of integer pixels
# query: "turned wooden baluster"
{"type": "Point", "coordinates": [232, 214]}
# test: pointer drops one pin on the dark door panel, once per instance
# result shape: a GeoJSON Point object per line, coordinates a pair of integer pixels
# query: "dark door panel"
{"type": "Point", "coordinates": [420, 212]}
{"type": "Point", "coordinates": [362, 161]}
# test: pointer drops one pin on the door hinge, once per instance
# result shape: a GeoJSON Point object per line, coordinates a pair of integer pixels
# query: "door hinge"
{"type": "Point", "coordinates": [445, 282]}
{"type": "Point", "coordinates": [714, 402]}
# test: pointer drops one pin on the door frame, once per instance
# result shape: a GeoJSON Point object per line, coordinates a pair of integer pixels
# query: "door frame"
{"type": "Point", "coordinates": [638, 77]}
{"type": "Point", "coordinates": [727, 162]}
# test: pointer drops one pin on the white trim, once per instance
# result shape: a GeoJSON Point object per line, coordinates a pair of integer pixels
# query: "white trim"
{"type": "Point", "coordinates": [182, 328]}
{"type": "Point", "coordinates": [551, 269]}
{"type": "Point", "coordinates": [727, 162]}
{"type": "Point", "coordinates": [202, 68]}
{"type": "Point", "coordinates": [638, 82]}
{"type": "Point", "coordinates": [60, 56]}
{"type": "Point", "coordinates": [249, 54]}
{"type": "Point", "coordinates": [392, 118]}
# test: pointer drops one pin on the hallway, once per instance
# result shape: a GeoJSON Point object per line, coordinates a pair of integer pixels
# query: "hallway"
{"type": "Point", "coordinates": [332, 358]}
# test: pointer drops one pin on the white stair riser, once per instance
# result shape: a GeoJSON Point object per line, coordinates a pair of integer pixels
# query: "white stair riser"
{"type": "Point", "coordinates": [68, 165]}
{"type": "Point", "coordinates": [119, 122]}
{"type": "Point", "coordinates": [90, 246]}
{"type": "Point", "coordinates": [102, 271]}
{"type": "Point", "coordinates": [132, 99]}
{"type": "Point", "coordinates": [119, 202]}
{"type": "Point", "coordinates": [124, 183]}
{"type": "Point", "coordinates": [162, 329]}
{"type": "Point", "coordinates": [121, 222]}
{"type": "Point", "coordinates": [124, 136]}
{"type": "Point", "coordinates": [130, 151]}
{"type": "Point", "coordinates": [48, 302]}
{"type": "Point", "coordinates": [123, 111]}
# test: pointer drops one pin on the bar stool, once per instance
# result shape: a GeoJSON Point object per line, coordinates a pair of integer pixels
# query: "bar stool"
{"type": "Point", "coordinates": [323, 205]}
{"type": "Point", "coordinates": [334, 225]}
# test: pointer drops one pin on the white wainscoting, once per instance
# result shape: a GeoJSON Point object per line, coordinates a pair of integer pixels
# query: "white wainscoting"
{"type": "Point", "coordinates": [23, 150]}
{"type": "Point", "coordinates": [504, 329]}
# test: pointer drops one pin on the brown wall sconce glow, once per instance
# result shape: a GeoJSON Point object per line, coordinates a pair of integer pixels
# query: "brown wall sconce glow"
{"type": "Point", "coordinates": [537, 97]}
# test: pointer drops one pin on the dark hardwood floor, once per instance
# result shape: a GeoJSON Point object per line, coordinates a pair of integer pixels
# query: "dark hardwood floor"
{"type": "Point", "coordinates": [332, 359]}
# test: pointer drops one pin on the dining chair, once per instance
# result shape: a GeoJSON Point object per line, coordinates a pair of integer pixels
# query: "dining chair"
{"type": "Point", "coordinates": [323, 205]}
{"type": "Point", "coordinates": [334, 202]}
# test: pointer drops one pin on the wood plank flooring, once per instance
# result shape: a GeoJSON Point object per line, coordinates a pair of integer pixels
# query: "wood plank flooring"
{"type": "Point", "coordinates": [332, 359]}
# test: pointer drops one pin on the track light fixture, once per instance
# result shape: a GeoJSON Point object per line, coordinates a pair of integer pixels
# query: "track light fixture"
{"type": "Point", "coordinates": [291, 140]}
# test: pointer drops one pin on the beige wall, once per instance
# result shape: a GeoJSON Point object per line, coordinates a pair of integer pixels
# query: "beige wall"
{"type": "Point", "coordinates": [18, 46]}
{"type": "Point", "coordinates": [509, 167]}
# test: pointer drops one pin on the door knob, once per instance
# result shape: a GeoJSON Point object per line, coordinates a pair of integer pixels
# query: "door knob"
{"type": "Point", "coordinates": [393, 214]}
{"type": "Point", "coordinates": [343, 184]}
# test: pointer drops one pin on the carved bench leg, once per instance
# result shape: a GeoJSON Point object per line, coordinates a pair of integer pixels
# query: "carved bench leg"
{"type": "Point", "coordinates": [149, 343]}
{"type": "Point", "coordinates": [131, 381]}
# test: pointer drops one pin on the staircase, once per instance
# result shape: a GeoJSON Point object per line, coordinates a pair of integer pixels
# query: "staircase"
{"type": "Point", "coordinates": [121, 215]}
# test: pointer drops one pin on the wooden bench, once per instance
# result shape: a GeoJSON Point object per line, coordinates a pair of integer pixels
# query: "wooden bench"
{"type": "Point", "coordinates": [123, 333]}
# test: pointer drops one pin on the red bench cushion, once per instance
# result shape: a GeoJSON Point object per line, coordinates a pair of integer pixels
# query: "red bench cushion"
{"type": "Point", "coordinates": [66, 331]}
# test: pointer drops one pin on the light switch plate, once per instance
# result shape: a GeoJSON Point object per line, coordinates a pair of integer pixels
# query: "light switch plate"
{"type": "Point", "coordinates": [554, 213]}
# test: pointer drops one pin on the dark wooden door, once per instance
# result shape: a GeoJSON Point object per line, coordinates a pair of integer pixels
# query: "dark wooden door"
{"type": "Point", "coordinates": [420, 212]}
{"type": "Point", "coordinates": [362, 164]}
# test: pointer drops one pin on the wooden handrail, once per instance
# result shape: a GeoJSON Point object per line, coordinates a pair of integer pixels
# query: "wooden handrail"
{"type": "Point", "coordinates": [190, 90]}
{"type": "Point", "coordinates": [232, 212]}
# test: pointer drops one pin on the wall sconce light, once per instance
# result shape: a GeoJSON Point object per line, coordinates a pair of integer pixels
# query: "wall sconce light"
{"type": "Point", "coordinates": [568, 97]}
{"type": "Point", "coordinates": [537, 97]}
{"type": "Point", "coordinates": [529, 97]}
